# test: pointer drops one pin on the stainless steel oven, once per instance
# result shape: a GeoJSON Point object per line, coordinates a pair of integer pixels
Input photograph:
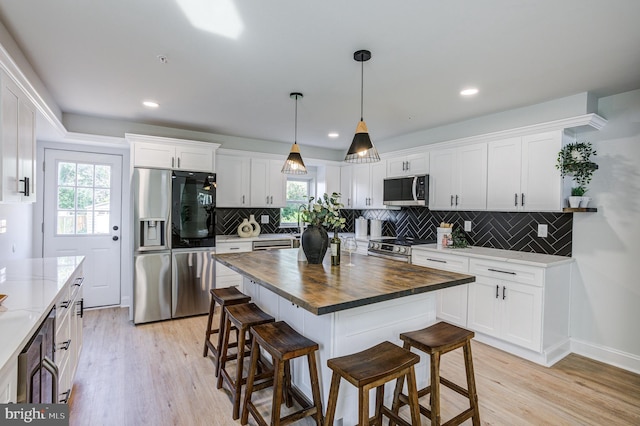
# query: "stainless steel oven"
{"type": "Point", "coordinates": [398, 249]}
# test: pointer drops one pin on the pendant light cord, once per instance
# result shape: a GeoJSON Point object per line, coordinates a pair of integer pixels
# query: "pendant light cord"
{"type": "Point", "coordinates": [295, 134]}
{"type": "Point", "coordinates": [361, 90]}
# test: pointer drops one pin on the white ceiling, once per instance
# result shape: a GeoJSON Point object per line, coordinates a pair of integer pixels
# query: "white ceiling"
{"type": "Point", "coordinates": [99, 58]}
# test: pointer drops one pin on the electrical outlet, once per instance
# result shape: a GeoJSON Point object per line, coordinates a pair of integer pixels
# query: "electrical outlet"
{"type": "Point", "coordinates": [264, 219]}
{"type": "Point", "coordinates": [542, 230]}
{"type": "Point", "coordinates": [467, 225]}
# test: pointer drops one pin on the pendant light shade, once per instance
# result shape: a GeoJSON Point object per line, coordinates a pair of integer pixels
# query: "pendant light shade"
{"type": "Point", "coordinates": [362, 149]}
{"type": "Point", "coordinates": [294, 164]}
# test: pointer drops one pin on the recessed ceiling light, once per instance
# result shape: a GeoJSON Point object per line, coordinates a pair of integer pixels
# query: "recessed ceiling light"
{"type": "Point", "coordinates": [333, 135]}
{"type": "Point", "coordinates": [469, 92]}
{"type": "Point", "coordinates": [150, 104]}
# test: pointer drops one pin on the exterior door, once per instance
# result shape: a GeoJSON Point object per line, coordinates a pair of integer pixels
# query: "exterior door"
{"type": "Point", "coordinates": [82, 217]}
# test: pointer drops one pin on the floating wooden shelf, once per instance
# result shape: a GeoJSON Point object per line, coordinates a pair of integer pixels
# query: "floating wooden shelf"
{"type": "Point", "coordinates": [579, 210]}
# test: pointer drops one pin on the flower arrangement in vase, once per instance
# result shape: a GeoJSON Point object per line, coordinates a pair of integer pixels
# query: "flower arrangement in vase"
{"type": "Point", "coordinates": [321, 214]}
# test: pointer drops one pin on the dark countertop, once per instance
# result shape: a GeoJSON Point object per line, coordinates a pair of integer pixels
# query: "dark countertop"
{"type": "Point", "coordinates": [322, 289]}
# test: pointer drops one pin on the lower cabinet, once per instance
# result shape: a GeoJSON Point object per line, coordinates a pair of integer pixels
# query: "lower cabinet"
{"type": "Point", "coordinates": [451, 303]}
{"type": "Point", "coordinates": [69, 313]}
{"type": "Point", "coordinates": [9, 383]}
{"type": "Point", "coordinates": [226, 277]}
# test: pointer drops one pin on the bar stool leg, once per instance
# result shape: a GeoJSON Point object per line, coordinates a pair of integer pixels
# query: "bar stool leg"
{"type": "Point", "coordinates": [333, 398]}
{"type": "Point", "coordinates": [208, 334]}
{"type": "Point", "coordinates": [239, 368]}
{"type": "Point", "coordinates": [315, 387]}
{"type": "Point", "coordinates": [278, 378]}
{"type": "Point", "coordinates": [363, 406]}
{"type": "Point", "coordinates": [412, 392]}
{"type": "Point", "coordinates": [379, 400]}
{"type": "Point", "coordinates": [222, 355]}
{"type": "Point", "coordinates": [471, 383]}
{"type": "Point", "coordinates": [435, 389]}
{"type": "Point", "coordinates": [223, 319]}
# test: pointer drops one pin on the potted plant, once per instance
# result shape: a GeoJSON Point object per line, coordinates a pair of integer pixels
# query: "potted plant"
{"type": "Point", "coordinates": [321, 214]}
{"type": "Point", "coordinates": [574, 160]}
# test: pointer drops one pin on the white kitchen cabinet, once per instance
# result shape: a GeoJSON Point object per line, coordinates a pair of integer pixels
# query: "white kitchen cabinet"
{"type": "Point", "coordinates": [17, 147]}
{"type": "Point", "coordinates": [368, 185]}
{"type": "Point", "coordinates": [233, 181]}
{"type": "Point", "coordinates": [328, 181]}
{"type": "Point", "coordinates": [168, 153]}
{"type": "Point", "coordinates": [226, 277]}
{"type": "Point", "coordinates": [69, 312]}
{"type": "Point", "coordinates": [346, 186]}
{"type": "Point", "coordinates": [522, 175]}
{"type": "Point", "coordinates": [9, 382]}
{"type": "Point", "coordinates": [458, 178]}
{"type": "Point", "coordinates": [268, 183]}
{"type": "Point", "coordinates": [405, 165]}
{"type": "Point", "coordinates": [451, 303]}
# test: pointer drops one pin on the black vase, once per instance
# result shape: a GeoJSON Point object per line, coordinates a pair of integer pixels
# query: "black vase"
{"type": "Point", "coordinates": [315, 242]}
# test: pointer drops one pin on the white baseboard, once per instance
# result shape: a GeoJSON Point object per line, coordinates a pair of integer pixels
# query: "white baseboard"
{"type": "Point", "coordinates": [547, 358]}
{"type": "Point", "coordinates": [607, 355]}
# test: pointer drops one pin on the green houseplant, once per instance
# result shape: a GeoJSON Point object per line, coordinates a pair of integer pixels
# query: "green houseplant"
{"type": "Point", "coordinates": [321, 214]}
{"type": "Point", "coordinates": [574, 160]}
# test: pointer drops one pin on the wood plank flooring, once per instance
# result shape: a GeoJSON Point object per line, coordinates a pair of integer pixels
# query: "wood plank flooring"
{"type": "Point", "coordinates": [154, 374]}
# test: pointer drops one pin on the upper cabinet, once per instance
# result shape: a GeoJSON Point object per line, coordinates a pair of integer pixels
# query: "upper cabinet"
{"type": "Point", "coordinates": [167, 153]}
{"type": "Point", "coordinates": [405, 165]}
{"type": "Point", "coordinates": [346, 186]}
{"type": "Point", "coordinates": [232, 181]}
{"type": "Point", "coordinates": [458, 178]}
{"type": "Point", "coordinates": [268, 183]}
{"type": "Point", "coordinates": [18, 121]}
{"type": "Point", "coordinates": [522, 175]}
{"type": "Point", "coordinates": [328, 181]}
{"type": "Point", "coordinates": [367, 185]}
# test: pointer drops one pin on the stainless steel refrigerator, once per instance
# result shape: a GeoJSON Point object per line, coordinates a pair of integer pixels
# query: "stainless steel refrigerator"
{"type": "Point", "coordinates": [174, 219]}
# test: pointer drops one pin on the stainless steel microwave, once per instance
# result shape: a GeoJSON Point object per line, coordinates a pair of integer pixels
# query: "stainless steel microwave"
{"type": "Point", "coordinates": [406, 191]}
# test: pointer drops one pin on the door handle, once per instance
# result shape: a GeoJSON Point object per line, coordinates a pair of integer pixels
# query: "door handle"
{"type": "Point", "coordinates": [115, 238]}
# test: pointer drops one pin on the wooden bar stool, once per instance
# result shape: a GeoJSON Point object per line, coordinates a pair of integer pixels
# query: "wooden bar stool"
{"type": "Point", "coordinates": [283, 343]}
{"type": "Point", "coordinates": [243, 317]}
{"type": "Point", "coordinates": [223, 297]}
{"type": "Point", "coordinates": [436, 341]}
{"type": "Point", "coordinates": [369, 369]}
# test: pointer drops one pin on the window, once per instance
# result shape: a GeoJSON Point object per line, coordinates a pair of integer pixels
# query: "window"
{"type": "Point", "coordinates": [298, 192]}
{"type": "Point", "coordinates": [83, 196]}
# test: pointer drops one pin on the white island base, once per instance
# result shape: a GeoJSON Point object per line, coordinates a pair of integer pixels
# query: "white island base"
{"type": "Point", "coordinates": [348, 331]}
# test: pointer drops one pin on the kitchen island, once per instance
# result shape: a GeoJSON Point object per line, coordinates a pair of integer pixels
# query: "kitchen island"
{"type": "Point", "coordinates": [345, 309]}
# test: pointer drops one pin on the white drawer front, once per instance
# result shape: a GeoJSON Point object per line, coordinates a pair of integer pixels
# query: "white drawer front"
{"type": "Point", "coordinates": [235, 247]}
{"type": "Point", "coordinates": [445, 261]}
{"type": "Point", "coordinates": [507, 271]}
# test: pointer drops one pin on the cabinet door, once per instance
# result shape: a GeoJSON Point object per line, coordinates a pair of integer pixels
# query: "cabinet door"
{"type": "Point", "coordinates": [27, 149]}
{"type": "Point", "coordinates": [329, 181]}
{"type": "Point", "coordinates": [232, 177]}
{"type": "Point", "coordinates": [471, 169]}
{"type": "Point", "coordinates": [277, 185]}
{"type": "Point", "coordinates": [541, 181]}
{"type": "Point", "coordinates": [441, 179]}
{"type": "Point", "coordinates": [522, 314]}
{"type": "Point", "coordinates": [378, 171]}
{"type": "Point", "coordinates": [346, 186]}
{"type": "Point", "coordinates": [417, 164]}
{"type": "Point", "coordinates": [10, 101]}
{"type": "Point", "coordinates": [485, 306]}
{"type": "Point", "coordinates": [195, 158]}
{"type": "Point", "coordinates": [452, 305]}
{"type": "Point", "coordinates": [397, 166]}
{"type": "Point", "coordinates": [503, 174]}
{"type": "Point", "coordinates": [259, 182]}
{"type": "Point", "coordinates": [361, 186]}
{"type": "Point", "coordinates": [154, 155]}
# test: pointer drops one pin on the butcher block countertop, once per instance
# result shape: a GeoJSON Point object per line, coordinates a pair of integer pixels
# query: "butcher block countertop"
{"type": "Point", "coordinates": [322, 289]}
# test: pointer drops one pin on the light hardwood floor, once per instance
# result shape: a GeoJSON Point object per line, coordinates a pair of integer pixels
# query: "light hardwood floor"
{"type": "Point", "coordinates": [155, 374]}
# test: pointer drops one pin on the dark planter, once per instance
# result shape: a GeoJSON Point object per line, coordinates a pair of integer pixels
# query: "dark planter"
{"type": "Point", "coordinates": [315, 242]}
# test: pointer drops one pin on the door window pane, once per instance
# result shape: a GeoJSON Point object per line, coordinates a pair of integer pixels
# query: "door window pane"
{"type": "Point", "coordinates": [84, 197]}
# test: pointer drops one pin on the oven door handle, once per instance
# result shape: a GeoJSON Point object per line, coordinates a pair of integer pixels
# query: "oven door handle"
{"type": "Point", "coordinates": [405, 259]}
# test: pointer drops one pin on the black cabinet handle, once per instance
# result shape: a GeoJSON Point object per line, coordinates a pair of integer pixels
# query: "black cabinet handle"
{"type": "Point", "coordinates": [456, 200]}
{"type": "Point", "coordinates": [115, 238]}
{"type": "Point", "coordinates": [504, 292]}
{"type": "Point", "coordinates": [26, 186]}
{"type": "Point", "coordinates": [452, 201]}
{"type": "Point", "coordinates": [437, 260]}
{"type": "Point", "coordinates": [78, 282]}
{"type": "Point", "coordinates": [64, 346]}
{"type": "Point", "coordinates": [502, 272]}
{"type": "Point", "coordinates": [81, 303]}
{"type": "Point", "coordinates": [65, 304]}
{"type": "Point", "coordinates": [497, 291]}
{"type": "Point", "coordinates": [522, 198]}
{"type": "Point", "coordinates": [66, 394]}
{"type": "Point", "coordinates": [516, 199]}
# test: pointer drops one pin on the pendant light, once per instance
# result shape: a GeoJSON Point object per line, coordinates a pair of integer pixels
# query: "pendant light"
{"type": "Point", "coordinates": [362, 149]}
{"type": "Point", "coordinates": [294, 164]}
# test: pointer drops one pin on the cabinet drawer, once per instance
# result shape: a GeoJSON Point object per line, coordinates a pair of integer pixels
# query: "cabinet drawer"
{"type": "Point", "coordinates": [445, 261]}
{"type": "Point", "coordinates": [234, 247]}
{"type": "Point", "coordinates": [507, 271]}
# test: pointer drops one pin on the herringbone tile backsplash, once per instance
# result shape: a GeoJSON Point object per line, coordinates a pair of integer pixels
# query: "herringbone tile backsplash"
{"type": "Point", "coordinates": [508, 231]}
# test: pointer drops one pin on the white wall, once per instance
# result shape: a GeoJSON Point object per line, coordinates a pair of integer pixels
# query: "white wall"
{"type": "Point", "coordinates": [605, 311]}
{"type": "Point", "coordinates": [16, 241]}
